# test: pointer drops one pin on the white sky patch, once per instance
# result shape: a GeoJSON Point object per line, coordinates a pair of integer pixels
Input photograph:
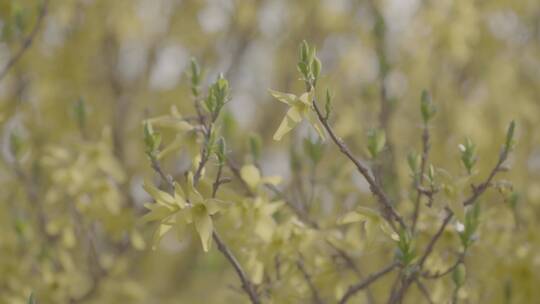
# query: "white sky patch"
{"type": "Point", "coordinates": [272, 17]}
{"type": "Point", "coordinates": [215, 16]}
{"type": "Point", "coordinates": [132, 59]}
{"type": "Point", "coordinates": [170, 64]}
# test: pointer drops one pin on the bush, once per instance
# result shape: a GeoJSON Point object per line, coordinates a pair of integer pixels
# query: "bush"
{"type": "Point", "coordinates": [119, 187]}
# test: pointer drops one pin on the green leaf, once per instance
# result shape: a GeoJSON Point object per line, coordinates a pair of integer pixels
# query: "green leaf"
{"type": "Point", "coordinates": [255, 146]}
{"type": "Point", "coordinates": [251, 175]}
{"type": "Point", "coordinates": [31, 299]}
{"type": "Point", "coordinates": [427, 108]}
{"type": "Point", "coordinates": [458, 275]}
{"type": "Point", "coordinates": [376, 142]}
{"type": "Point", "coordinates": [510, 136]}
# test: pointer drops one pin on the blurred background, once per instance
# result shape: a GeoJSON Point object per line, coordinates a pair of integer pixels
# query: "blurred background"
{"type": "Point", "coordinates": [128, 61]}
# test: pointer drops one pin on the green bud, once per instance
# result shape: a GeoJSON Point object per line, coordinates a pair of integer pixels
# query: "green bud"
{"type": "Point", "coordinates": [468, 154]}
{"type": "Point", "coordinates": [328, 104]}
{"type": "Point", "coordinates": [255, 146]}
{"type": "Point", "coordinates": [31, 299]}
{"type": "Point", "coordinates": [413, 159]}
{"type": "Point", "coordinates": [196, 77]}
{"type": "Point", "coordinates": [79, 108]}
{"type": "Point", "coordinates": [513, 199]}
{"type": "Point", "coordinates": [427, 108]}
{"type": "Point", "coordinates": [304, 50]}
{"type": "Point", "coordinates": [314, 150]}
{"type": "Point", "coordinates": [376, 142]}
{"type": "Point", "coordinates": [472, 220]}
{"type": "Point", "coordinates": [316, 67]}
{"type": "Point", "coordinates": [458, 275]}
{"type": "Point", "coordinates": [405, 248]}
{"type": "Point", "coordinates": [220, 150]}
{"type": "Point", "coordinates": [15, 144]}
{"type": "Point", "coordinates": [510, 136]}
{"type": "Point", "coordinates": [152, 140]}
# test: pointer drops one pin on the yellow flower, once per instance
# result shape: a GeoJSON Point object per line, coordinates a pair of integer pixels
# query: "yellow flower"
{"type": "Point", "coordinates": [180, 209]}
{"type": "Point", "coordinates": [299, 108]}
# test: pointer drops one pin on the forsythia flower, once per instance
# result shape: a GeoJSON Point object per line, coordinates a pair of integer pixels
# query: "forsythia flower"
{"type": "Point", "coordinates": [180, 209]}
{"type": "Point", "coordinates": [174, 122]}
{"type": "Point", "coordinates": [299, 108]}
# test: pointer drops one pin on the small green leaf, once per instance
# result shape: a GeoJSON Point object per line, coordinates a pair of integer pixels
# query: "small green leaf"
{"type": "Point", "coordinates": [510, 136]}
{"type": "Point", "coordinates": [427, 108]}
{"type": "Point", "coordinates": [31, 299]}
{"type": "Point", "coordinates": [458, 275]}
{"type": "Point", "coordinates": [327, 105]}
{"type": "Point", "coordinates": [376, 142]}
{"type": "Point", "coordinates": [220, 151]}
{"type": "Point", "coordinates": [468, 154]}
{"type": "Point", "coordinates": [316, 67]}
{"type": "Point", "coordinates": [255, 146]}
{"type": "Point", "coordinates": [79, 108]}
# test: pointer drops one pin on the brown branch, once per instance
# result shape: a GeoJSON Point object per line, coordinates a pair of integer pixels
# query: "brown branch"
{"type": "Point", "coordinates": [314, 292]}
{"type": "Point", "coordinates": [477, 192]}
{"type": "Point", "coordinates": [375, 188]}
{"type": "Point", "coordinates": [353, 289]}
{"type": "Point", "coordinates": [423, 162]}
{"type": "Point", "coordinates": [247, 285]}
{"type": "Point", "coordinates": [423, 289]}
{"type": "Point", "coordinates": [441, 274]}
{"type": "Point", "coordinates": [27, 41]}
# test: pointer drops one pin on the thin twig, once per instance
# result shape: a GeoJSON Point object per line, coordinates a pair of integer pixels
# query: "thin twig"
{"type": "Point", "coordinates": [314, 292]}
{"type": "Point", "coordinates": [353, 289]}
{"type": "Point", "coordinates": [247, 285]}
{"type": "Point", "coordinates": [423, 162]}
{"type": "Point", "coordinates": [27, 41]}
{"type": "Point", "coordinates": [423, 289]}
{"type": "Point", "coordinates": [375, 188]}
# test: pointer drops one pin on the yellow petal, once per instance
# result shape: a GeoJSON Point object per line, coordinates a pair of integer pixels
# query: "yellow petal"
{"type": "Point", "coordinates": [288, 123]}
{"type": "Point", "coordinates": [158, 195]}
{"type": "Point", "coordinates": [157, 212]}
{"type": "Point", "coordinates": [272, 180]}
{"type": "Point", "coordinates": [305, 99]}
{"type": "Point", "coordinates": [351, 217]}
{"type": "Point", "coordinates": [286, 98]}
{"type": "Point", "coordinates": [137, 241]}
{"type": "Point", "coordinates": [251, 175]}
{"type": "Point", "coordinates": [159, 233]}
{"type": "Point", "coordinates": [204, 226]}
{"type": "Point", "coordinates": [255, 269]}
{"type": "Point", "coordinates": [213, 205]}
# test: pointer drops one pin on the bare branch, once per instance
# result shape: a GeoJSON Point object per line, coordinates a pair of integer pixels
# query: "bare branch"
{"type": "Point", "coordinates": [375, 188]}
{"type": "Point", "coordinates": [27, 41]}
{"type": "Point", "coordinates": [353, 289]}
{"type": "Point", "coordinates": [315, 293]}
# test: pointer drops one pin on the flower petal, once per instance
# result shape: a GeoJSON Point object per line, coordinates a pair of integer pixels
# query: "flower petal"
{"type": "Point", "coordinates": [290, 121]}
{"type": "Point", "coordinates": [251, 175]}
{"type": "Point", "coordinates": [286, 98]}
{"type": "Point", "coordinates": [205, 227]}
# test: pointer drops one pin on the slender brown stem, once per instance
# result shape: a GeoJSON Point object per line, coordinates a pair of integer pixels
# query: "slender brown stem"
{"type": "Point", "coordinates": [423, 162]}
{"type": "Point", "coordinates": [423, 289]}
{"type": "Point", "coordinates": [27, 41]}
{"type": "Point", "coordinates": [353, 289]}
{"type": "Point", "coordinates": [441, 274]}
{"type": "Point", "coordinates": [375, 188]}
{"type": "Point", "coordinates": [247, 285]}
{"type": "Point", "coordinates": [314, 292]}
